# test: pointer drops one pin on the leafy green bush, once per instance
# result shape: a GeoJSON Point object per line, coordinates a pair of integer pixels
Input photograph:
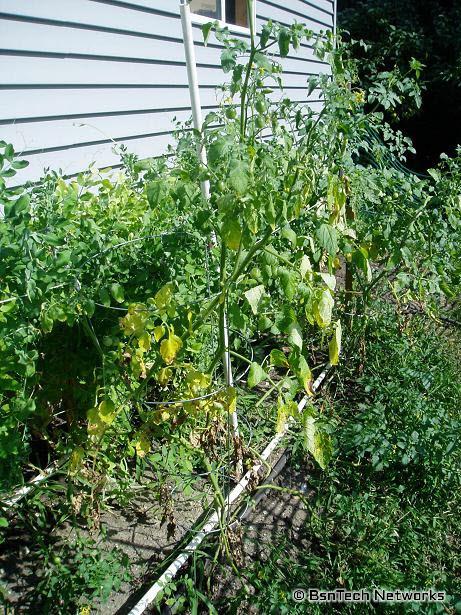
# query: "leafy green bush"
{"type": "Point", "coordinates": [77, 573]}
{"type": "Point", "coordinates": [408, 419]}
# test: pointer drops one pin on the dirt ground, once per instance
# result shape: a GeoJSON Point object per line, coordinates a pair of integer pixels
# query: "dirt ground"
{"type": "Point", "coordinates": [137, 530]}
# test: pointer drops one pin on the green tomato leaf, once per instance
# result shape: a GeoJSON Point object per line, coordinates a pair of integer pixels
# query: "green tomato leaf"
{"type": "Point", "coordinates": [117, 292]}
{"type": "Point", "coordinates": [238, 176]}
{"type": "Point", "coordinates": [328, 238]}
{"type": "Point", "coordinates": [265, 34]}
{"type": "Point", "coordinates": [228, 59]}
{"type": "Point", "coordinates": [105, 297]}
{"type": "Point", "coordinates": [63, 258]}
{"type": "Point", "coordinates": [288, 233]}
{"type": "Point", "coordinates": [295, 335]}
{"type": "Point", "coordinates": [288, 283]}
{"type": "Point", "coordinates": [206, 29]}
{"type": "Point", "coordinates": [284, 42]}
{"type": "Point", "coordinates": [256, 375]}
{"type": "Point", "coordinates": [154, 192]}
{"type": "Point", "coordinates": [262, 61]}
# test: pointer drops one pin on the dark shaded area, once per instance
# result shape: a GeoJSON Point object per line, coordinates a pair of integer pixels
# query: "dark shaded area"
{"type": "Point", "coordinates": [430, 31]}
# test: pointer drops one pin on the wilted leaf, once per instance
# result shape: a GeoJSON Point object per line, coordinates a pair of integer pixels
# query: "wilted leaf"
{"type": "Point", "coordinates": [141, 443]}
{"type": "Point", "coordinates": [164, 376]}
{"type": "Point", "coordinates": [335, 344]}
{"type": "Point", "coordinates": [107, 411]}
{"type": "Point", "coordinates": [278, 358]}
{"type": "Point", "coordinates": [206, 29]}
{"type": "Point", "coordinates": [76, 459]}
{"type": "Point", "coordinates": [231, 398]}
{"type": "Point", "coordinates": [134, 323]}
{"type": "Point", "coordinates": [329, 280]}
{"type": "Point", "coordinates": [284, 42]}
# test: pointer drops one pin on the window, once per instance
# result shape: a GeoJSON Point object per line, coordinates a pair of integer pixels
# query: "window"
{"type": "Point", "coordinates": [231, 11]}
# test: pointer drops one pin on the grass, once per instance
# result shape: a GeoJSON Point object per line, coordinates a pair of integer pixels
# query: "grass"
{"type": "Point", "coordinates": [385, 513]}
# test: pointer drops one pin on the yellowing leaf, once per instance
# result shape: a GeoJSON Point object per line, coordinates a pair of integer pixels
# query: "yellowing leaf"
{"type": "Point", "coordinates": [231, 232]}
{"type": "Point", "coordinates": [107, 411]}
{"type": "Point", "coordinates": [334, 346]}
{"type": "Point", "coordinates": [304, 375]}
{"type": "Point", "coordinates": [323, 309]}
{"type": "Point", "coordinates": [284, 412]}
{"type": "Point", "coordinates": [164, 376]}
{"type": "Point", "coordinates": [305, 266]}
{"type": "Point", "coordinates": [138, 367]}
{"type": "Point", "coordinates": [197, 381]}
{"type": "Point", "coordinates": [159, 332]}
{"type": "Point", "coordinates": [142, 443]}
{"type": "Point", "coordinates": [318, 442]}
{"type": "Point", "coordinates": [294, 335]}
{"type": "Point", "coordinates": [164, 296]}
{"type": "Point", "coordinates": [282, 417]}
{"type": "Point", "coordinates": [96, 426]}
{"type": "Point", "coordinates": [144, 342]}
{"type": "Point", "coordinates": [134, 323]}
{"type": "Point", "coordinates": [231, 398]}
{"type": "Point", "coordinates": [117, 292]}
{"type": "Point", "coordinates": [170, 347]}
{"type": "Point", "coordinates": [76, 459]}
{"type": "Point", "coordinates": [329, 280]}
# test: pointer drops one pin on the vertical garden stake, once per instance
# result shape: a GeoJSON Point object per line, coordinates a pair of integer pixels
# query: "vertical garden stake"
{"type": "Point", "coordinates": [205, 185]}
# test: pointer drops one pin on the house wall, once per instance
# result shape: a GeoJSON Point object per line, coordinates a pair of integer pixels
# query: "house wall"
{"type": "Point", "coordinates": [78, 75]}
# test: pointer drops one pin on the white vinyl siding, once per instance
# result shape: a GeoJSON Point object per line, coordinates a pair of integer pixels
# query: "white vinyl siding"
{"type": "Point", "coordinates": [77, 75]}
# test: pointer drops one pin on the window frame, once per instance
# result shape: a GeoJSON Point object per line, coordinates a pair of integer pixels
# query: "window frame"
{"type": "Point", "coordinates": [202, 19]}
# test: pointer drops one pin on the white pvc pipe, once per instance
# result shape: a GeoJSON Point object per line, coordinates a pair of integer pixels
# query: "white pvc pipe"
{"type": "Point", "coordinates": [193, 84]}
{"type": "Point", "coordinates": [194, 91]}
{"type": "Point", "coordinates": [212, 522]}
{"type": "Point", "coordinates": [18, 494]}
